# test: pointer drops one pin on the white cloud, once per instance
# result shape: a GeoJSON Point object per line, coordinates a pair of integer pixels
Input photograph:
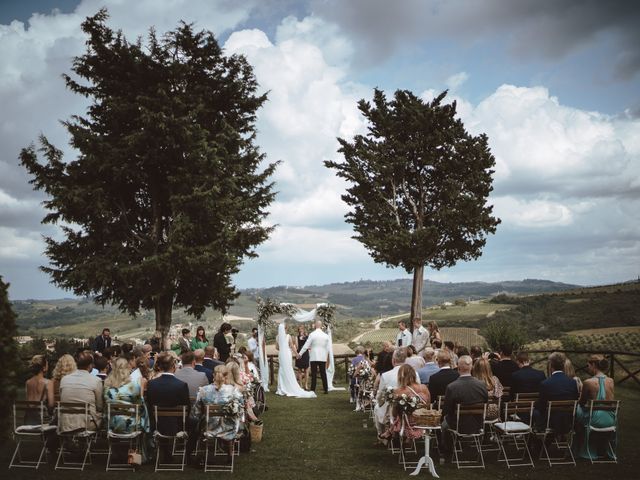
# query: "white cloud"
{"type": "Point", "coordinates": [532, 214]}
{"type": "Point", "coordinates": [456, 81]}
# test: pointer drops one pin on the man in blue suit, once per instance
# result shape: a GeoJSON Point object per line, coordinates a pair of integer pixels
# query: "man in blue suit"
{"type": "Point", "coordinates": [199, 367]}
{"type": "Point", "coordinates": [557, 387]}
{"type": "Point", "coordinates": [526, 379]}
{"type": "Point", "coordinates": [167, 391]}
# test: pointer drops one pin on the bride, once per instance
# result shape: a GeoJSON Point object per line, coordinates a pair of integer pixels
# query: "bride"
{"type": "Point", "coordinates": [287, 382]}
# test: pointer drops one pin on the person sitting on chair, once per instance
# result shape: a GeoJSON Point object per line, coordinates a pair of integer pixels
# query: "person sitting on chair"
{"type": "Point", "coordinates": [557, 387]}
{"type": "Point", "coordinates": [199, 366]}
{"type": "Point", "coordinates": [526, 379]}
{"type": "Point", "coordinates": [439, 381]}
{"type": "Point", "coordinates": [81, 387]}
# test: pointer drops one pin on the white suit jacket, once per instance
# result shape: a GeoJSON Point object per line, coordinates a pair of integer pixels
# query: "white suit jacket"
{"type": "Point", "coordinates": [318, 346]}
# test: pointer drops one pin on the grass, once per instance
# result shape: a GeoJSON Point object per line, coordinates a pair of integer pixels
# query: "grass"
{"type": "Point", "coordinates": [471, 312]}
{"type": "Point", "coordinates": [460, 335]}
{"type": "Point", "coordinates": [324, 438]}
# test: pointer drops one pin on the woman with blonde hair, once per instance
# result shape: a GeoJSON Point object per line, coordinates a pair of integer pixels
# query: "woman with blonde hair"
{"type": "Point", "coordinates": [64, 366]}
{"type": "Point", "coordinates": [482, 371]}
{"type": "Point", "coordinates": [570, 371]}
{"type": "Point", "coordinates": [119, 388]}
{"type": "Point", "coordinates": [434, 332]}
{"type": "Point", "coordinates": [409, 385]}
{"type": "Point", "coordinates": [38, 389]}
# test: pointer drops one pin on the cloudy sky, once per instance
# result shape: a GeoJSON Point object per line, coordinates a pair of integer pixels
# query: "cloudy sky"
{"type": "Point", "coordinates": [555, 85]}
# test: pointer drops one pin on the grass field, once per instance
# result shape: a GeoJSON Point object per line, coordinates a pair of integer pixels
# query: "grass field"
{"type": "Point", "coordinates": [324, 439]}
{"type": "Point", "coordinates": [460, 335]}
{"type": "Point", "coordinates": [473, 311]}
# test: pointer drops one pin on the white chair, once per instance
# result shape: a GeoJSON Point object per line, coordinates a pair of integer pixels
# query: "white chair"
{"type": "Point", "coordinates": [180, 413]}
{"type": "Point", "coordinates": [210, 439]}
{"type": "Point", "coordinates": [561, 441]}
{"type": "Point", "coordinates": [515, 433]}
{"type": "Point", "coordinates": [24, 433]}
{"type": "Point", "coordinates": [130, 440]}
{"type": "Point", "coordinates": [77, 442]}
{"type": "Point", "coordinates": [612, 406]}
{"type": "Point", "coordinates": [471, 437]}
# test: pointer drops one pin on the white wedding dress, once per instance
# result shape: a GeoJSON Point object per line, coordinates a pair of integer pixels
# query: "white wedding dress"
{"type": "Point", "coordinates": [287, 383]}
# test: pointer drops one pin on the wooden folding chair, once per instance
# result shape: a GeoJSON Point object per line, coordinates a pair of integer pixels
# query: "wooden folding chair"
{"type": "Point", "coordinates": [560, 440]}
{"type": "Point", "coordinates": [179, 412]}
{"type": "Point", "coordinates": [527, 396]}
{"type": "Point", "coordinates": [515, 432]}
{"type": "Point", "coordinates": [130, 440]}
{"type": "Point", "coordinates": [24, 433]}
{"type": "Point", "coordinates": [210, 440]}
{"type": "Point", "coordinates": [612, 406]}
{"type": "Point", "coordinates": [76, 442]}
{"type": "Point", "coordinates": [473, 438]}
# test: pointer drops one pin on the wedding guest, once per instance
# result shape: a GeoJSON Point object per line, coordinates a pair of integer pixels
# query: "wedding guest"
{"type": "Point", "coordinates": [252, 367]}
{"type": "Point", "coordinates": [505, 366]}
{"type": "Point", "coordinates": [302, 363]}
{"type": "Point", "coordinates": [210, 360]}
{"type": "Point", "coordinates": [413, 359]}
{"type": "Point", "coordinates": [526, 379]}
{"type": "Point", "coordinates": [430, 366]}
{"type": "Point", "coordinates": [252, 343]}
{"type": "Point", "coordinates": [102, 341]}
{"type": "Point", "coordinates": [64, 366]}
{"type": "Point", "coordinates": [200, 340]}
{"type": "Point", "coordinates": [184, 341]}
{"type": "Point", "coordinates": [557, 387]}
{"type": "Point", "coordinates": [475, 352]}
{"type": "Point", "coordinates": [570, 372]}
{"type": "Point", "coordinates": [407, 385]}
{"type": "Point", "coordinates": [384, 363]}
{"type": "Point", "coordinates": [482, 371]}
{"type": "Point", "coordinates": [598, 387]}
{"type": "Point", "coordinates": [222, 344]}
{"type": "Point", "coordinates": [199, 358]}
{"type": "Point", "coordinates": [355, 361]}
{"type": "Point", "coordinates": [188, 374]}
{"type": "Point", "coordinates": [119, 388]}
{"type": "Point", "coordinates": [38, 389]}
{"type": "Point", "coordinates": [434, 334]}
{"type": "Point", "coordinates": [420, 338]}
{"type": "Point", "coordinates": [450, 347]}
{"type": "Point", "coordinates": [220, 392]}
{"type": "Point", "coordinates": [101, 364]}
{"type": "Point", "coordinates": [403, 339]}
{"type": "Point", "coordinates": [167, 391]}
{"type": "Point", "coordinates": [126, 348]}
{"type": "Point", "coordinates": [81, 387]}
{"type": "Point", "coordinates": [439, 381]}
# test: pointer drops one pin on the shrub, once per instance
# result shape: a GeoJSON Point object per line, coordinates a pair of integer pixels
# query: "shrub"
{"type": "Point", "coordinates": [502, 332]}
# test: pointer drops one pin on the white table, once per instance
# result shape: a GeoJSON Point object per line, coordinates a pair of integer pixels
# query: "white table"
{"type": "Point", "coordinates": [426, 460]}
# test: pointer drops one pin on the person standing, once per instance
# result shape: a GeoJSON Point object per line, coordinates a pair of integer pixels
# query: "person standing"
{"type": "Point", "coordinates": [102, 341]}
{"type": "Point", "coordinates": [302, 363]}
{"type": "Point", "coordinates": [200, 340]}
{"type": "Point", "coordinates": [420, 336]}
{"type": "Point", "coordinates": [252, 343]}
{"type": "Point", "coordinates": [221, 343]}
{"type": "Point", "coordinates": [403, 339]}
{"type": "Point", "coordinates": [184, 342]}
{"type": "Point", "coordinates": [318, 344]}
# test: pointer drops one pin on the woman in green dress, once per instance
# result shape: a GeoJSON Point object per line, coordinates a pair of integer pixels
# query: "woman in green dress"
{"type": "Point", "coordinates": [598, 387]}
{"type": "Point", "coordinates": [200, 340]}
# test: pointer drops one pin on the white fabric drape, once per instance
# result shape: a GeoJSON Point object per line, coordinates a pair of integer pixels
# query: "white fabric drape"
{"type": "Point", "coordinates": [262, 360]}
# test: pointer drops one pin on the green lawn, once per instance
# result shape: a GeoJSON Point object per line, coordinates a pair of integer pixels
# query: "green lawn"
{"type": "Point", "coordinates": [325, 439]}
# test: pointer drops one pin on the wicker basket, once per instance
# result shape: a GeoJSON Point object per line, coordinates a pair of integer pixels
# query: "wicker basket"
{"type": "Point", "coordinates": [427, 418]}
{"type": "Point", "coordinates": [256, 431]}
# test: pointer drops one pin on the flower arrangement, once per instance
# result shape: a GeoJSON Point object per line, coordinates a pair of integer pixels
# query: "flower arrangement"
{"type": "Point", "coordinates": [351, 370]}
{"type": "Point", "coordinates": [364, 372]}
{"type": "Point", "coordinates": [232, 408]}
{"type": "Point", "coordinates": [326, 312]}
{"type": "Point", "coordinates": [268, 308]}
{"type": "Point", "coordinates": [389, 395]}
{"type": "Point", "coordinates": [406, 403]}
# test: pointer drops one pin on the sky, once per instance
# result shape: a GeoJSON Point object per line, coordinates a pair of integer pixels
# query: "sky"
{"type": "Point", "coordinates": [554, 85]}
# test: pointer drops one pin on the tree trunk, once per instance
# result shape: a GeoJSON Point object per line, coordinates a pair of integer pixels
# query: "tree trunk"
{"type": "Point", "coordinates": [164, 306]}
{"type": "Point", "coordinates": [416, 295]}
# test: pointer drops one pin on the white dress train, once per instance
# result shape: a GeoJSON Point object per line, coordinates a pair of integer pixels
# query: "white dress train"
{"type": "Point", "coordinates": [287, 383]}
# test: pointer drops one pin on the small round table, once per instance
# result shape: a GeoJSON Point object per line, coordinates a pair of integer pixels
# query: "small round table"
{"type": "Point", "coordinates": [426, 460]}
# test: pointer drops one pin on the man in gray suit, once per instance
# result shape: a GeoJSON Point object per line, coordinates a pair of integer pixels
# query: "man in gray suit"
{"type": "Point", "coordinates": [81, 387]}
{"type": "Point", "coordinates": [466, 390]}
{"type": "Point", "coordinates": [189, 375]}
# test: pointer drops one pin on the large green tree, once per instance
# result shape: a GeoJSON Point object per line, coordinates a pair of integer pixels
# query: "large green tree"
{"type": "Point", "coordinates": [419, 185]}
{"type": "Point", "coordinates": [168, 192]}
{"type": "Point", "coordinates": [8, 359]}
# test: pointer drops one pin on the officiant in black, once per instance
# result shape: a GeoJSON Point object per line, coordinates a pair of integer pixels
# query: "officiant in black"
{"type": "Point", "coordinates": [221, 343]}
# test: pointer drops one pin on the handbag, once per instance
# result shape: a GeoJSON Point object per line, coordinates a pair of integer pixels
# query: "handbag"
{"type": "Point", "coordinates": [134, 458]}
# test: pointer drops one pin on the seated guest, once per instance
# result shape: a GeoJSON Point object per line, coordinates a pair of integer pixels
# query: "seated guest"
{"type": "Point", "coordinates": [220, 392]}
{"type": "Point", "coordinates": [449, 347]}
{"type": "Point", "coordinates": [526, 379]}
{"type": "Point", "coordinates": [430, 366]}
{"type": "Point", "coordinates": [598, 387]}
{"type": "Point", "coordinates": [166, 390]}
{"type": "Point", "coordinates": [188, 374]}
{"type": "Point", "coordinates": [119, 388]}
{"type": "Point", "coordinates": [407, 385]}
{"type": "Point", "coordinates": [475, 352]}
{"type": "Point", "coordinates": [81, 387]}
{"type": "Point", "coordinates": [482, 371]}
{"type": "Point", "coordinates": [504, 368]}
{"type": "Point", "coordinates": [64, 366]}
{"type": "Point", "coordinates": [38, 389]}
{"type": "Point", "coordinates": [466, 390]}
{"type": "Point", "coordinates": [251, 366]}
{"type": "Point", "coordinates": [384, 362]}
{"type": "Point", "coordinates": [199, 366]}
{"type": "Point", "coordinates": [438, 381]}
{"type": "Point", "coordinates": [570, 372]}
{"type": "Point", "coordinates": [557, 387]}
{"type": "Point", "coordinates": [101, 364]}
{"type": "Point", "coordinates": [413, 359]}
{"type": "Point", "coordinates": [210, 360]}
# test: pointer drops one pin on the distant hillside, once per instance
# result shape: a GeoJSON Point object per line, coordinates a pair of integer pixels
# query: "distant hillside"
{"type": "Point", "coordinates": [364, 299]}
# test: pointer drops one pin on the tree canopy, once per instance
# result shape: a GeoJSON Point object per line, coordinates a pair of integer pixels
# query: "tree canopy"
{"type": "Point", "coordinates": [419, 185]}
{"type": "Point", "coordinates": [168, 193]}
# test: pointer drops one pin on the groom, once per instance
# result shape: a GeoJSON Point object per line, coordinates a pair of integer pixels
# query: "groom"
{"type": "Point", "coordinates": [318, 346]}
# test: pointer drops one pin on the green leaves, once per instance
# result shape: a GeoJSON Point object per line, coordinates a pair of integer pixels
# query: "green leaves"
{"type": "Point", "coordinates": [168, 193]}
